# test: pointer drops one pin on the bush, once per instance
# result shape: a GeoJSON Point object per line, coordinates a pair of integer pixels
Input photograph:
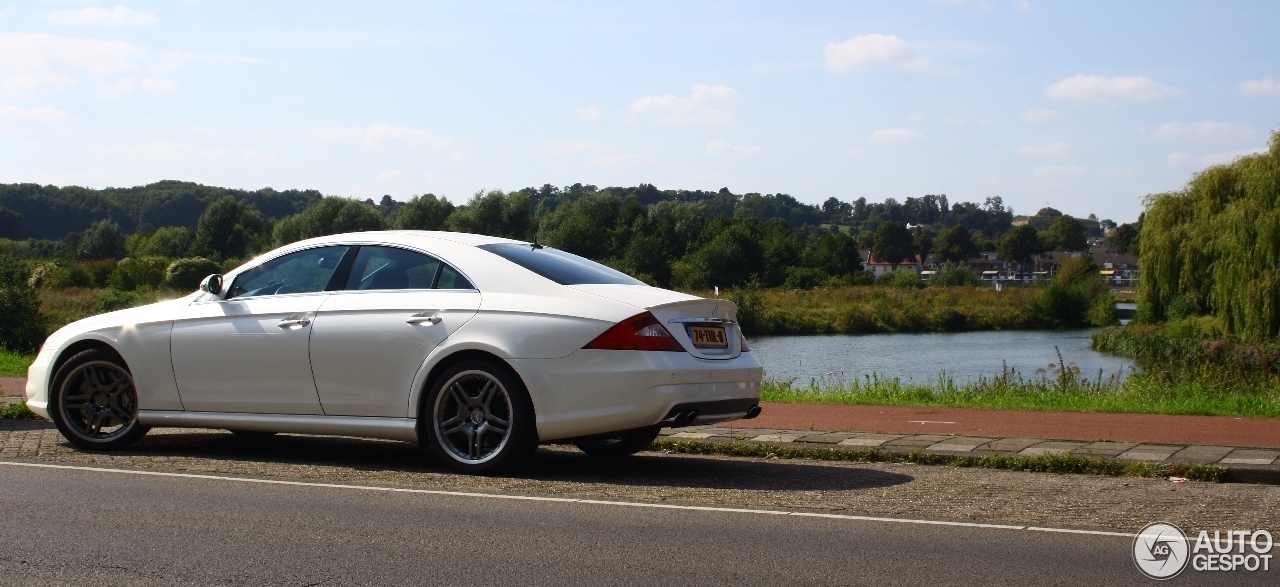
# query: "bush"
{"type": "Point", "coordinates": [185, 274]}
{"type": "Point", "coordinates": [1058, 306]}
{"type": "Point", "coordinates": [21, 327]}
{"type": "Point", "coordinates": [116, 300]}
{"type": "Point", "coordinates": [135, 272]}
{"type": "Point", "coordinates": [902, 278]}
{"type": "Point", "coordinates": [102, 240]}
{"type": "Point", "coordinates": [804, 277]}
{"type": "Point", "coordinates": [954, 275]}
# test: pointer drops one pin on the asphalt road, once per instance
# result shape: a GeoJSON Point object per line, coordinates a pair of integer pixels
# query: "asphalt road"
{"type": "Point", "coordinates": [63, 526]}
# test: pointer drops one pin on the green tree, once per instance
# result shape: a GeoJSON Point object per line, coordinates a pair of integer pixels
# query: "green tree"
{"type": "Point", "coordinates": [1217, 242]}
{"type": "Point", "coordinates": [185, 274]}
{"type": "Point", "coordinates": [893, 243]}
{"type": "Point", "coordinates": [1124, 239]}
{"type": "Point", "coordinates": [495, 213]}
{"type": "Point", "coordinates": [102, 240]}
{"type": "Point", "coordinates": [835, 254]}
{"type": "Point", "coordinates": [728, 259]}
{"type": "Point", "coordinates": [229, 229]}
{"type": "Point", "coordinates": [170, 241]}
{"type": "Point", "coordinates": [11, 223]}
{"type": "Point", "coordinates": [331, 215]}
{"type": "Point", "coordinates": [1020, 244]}
{"type": "Point", "coordinates": [954, 245]}
{"type": "Point", "coordinates": [922, 242]}
{"type": "Point", "coordinates": [422, 213]}
{"type": "Point", "coordinates": [1066, 234]}
{"type": "Point", "coordinates": [21, 326]}
{"type": "Point", "coordinates": [952, 274]}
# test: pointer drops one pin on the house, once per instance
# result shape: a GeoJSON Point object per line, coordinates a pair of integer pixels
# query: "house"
{"type": "Point", "coordinates": [878, 268]}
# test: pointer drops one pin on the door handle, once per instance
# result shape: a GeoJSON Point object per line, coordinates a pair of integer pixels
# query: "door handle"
{"type": "Point", "coordinates": [291, 322]}
{"type": "Point", "coordinates": [431, 317]}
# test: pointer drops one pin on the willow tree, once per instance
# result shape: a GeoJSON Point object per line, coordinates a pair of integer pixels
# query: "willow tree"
{"type": "Point", "coordinates": [1216, 244]}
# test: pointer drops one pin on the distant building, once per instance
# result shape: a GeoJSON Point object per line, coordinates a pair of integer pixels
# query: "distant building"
{"type": "Point", "coordinates": [878, 268]}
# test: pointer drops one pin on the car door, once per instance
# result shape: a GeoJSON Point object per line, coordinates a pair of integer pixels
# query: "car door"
{"type": "Point", "coordinates": [371, 337]}
{"type": "Point", "coordinates": [246, 351]}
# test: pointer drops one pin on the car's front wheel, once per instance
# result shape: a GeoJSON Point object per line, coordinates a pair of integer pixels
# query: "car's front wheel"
{"type": "Point", "coordinates": [620, 445]}
{"type": "Point", "coordinates": [480, 418]}
{"type": "Point", "coordinates": [95, 403]}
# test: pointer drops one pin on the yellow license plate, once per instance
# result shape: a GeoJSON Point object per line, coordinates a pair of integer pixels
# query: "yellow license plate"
{"type": "Point", "coordinates": [708, 337]}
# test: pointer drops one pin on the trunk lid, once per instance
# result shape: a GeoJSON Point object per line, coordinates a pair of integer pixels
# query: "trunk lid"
{"type": "Point", "coordinates": [696, 323]}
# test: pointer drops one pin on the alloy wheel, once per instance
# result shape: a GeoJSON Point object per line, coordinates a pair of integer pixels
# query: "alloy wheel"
{"type": "Point", "coordinates": [472, 416]}
{"type": "Point", "coordinates": [98, 401]}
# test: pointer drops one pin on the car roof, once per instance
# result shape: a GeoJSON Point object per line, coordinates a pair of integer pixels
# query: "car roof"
{"type": "Point", "coordinates": [463, 238]}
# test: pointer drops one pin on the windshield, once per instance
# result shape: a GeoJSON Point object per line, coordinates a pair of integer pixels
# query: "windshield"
{"type": "Point", "coordinates": [559, 266]}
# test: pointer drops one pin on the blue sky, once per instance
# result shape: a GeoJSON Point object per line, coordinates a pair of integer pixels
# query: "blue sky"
{"type": "Point", "coordinates": [1083, 106]}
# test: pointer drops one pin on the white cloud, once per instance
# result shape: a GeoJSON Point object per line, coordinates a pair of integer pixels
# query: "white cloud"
{"type": "Point", "coordinates": [726, 148]}
{"type": "Point", "coordinates": [1203, 132]}
{"type": "Point", "coordinates": [44, 114]}
{"type": "Point", "coordinates": [101, 17]}
{"type": "Point", "coordinates": [1057, 149]}
{"type": "Point", "coordinates": [1059, 171]}
{"type": "Point", "coordinates": [26, 52]}
{"type": "Point", "coordinates": [175, 60]}
{"type": "Point", "coordinates": [566, 146]}
{"type": "Point", "coordinates": [34, 82]}
{"type": "Point", "coordinates": [873, 49]}
{"type": "Point", "coordinates": [1266, 86]}
{"type": "Point", "coordinates": [1187, 159]}
{"type": "Point", "coordinates": [1098, 88]}
{"type": "Point", "coordinates": [623, 159]}
{"type": "Point", "coordinates": [1039, 115]}
{"type": "Point", "coordinates": [895, 135]}
{"type": "Point", "coordinates": [381, 134]}
{"type": "Point", "coordinates": [588, 113]}
{"type": "Point", "coordinates": [151, 85]}
{"type": "Point", "coordinates": [177, 150]}
{"type": "Point", "coordinates": [700, 106]}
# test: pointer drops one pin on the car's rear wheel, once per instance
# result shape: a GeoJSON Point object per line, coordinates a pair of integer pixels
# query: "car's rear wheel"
{"type": "Point", "coordinates": [95, 403]}
{"type": "Point", "coordinates": [620, 445]}
{"type": "Point", "coordinates": [480, 418]}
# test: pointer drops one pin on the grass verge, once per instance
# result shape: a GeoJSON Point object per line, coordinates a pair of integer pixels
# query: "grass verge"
{"type": "Point", "coordinates": [1136, 395]}
{"type": "Point", "coordinates": [1061, 464]}
{"type": "Point", "coordinates": [13, 364]}
{"type": "Point", "coordinates": [17, 411]}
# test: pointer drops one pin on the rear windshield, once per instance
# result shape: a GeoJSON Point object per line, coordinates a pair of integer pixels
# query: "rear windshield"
{"type": "Point", "coordinates": [559, 266]}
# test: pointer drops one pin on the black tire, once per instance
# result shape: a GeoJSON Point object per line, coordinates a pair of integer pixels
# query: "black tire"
{"type": "Point", "coordinates": [92, 392]}
{"type": "Point", "coordinates": [621, 445]}
{"type": "Point", "coordinates": [466, 410]}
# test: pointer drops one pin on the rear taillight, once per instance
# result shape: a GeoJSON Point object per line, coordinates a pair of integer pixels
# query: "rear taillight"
{"type": "Point", "coordinates": [641, 332]}
{"type": "Point", "coordinates": [744, 347]}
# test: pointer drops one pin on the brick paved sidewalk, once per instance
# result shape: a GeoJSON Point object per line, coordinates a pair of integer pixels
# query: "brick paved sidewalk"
{"type": "Point", "coordinates": [1237, 458]}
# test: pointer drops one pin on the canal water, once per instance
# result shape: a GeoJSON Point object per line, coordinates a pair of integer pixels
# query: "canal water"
{"type": "Point", "coordinates": [921, 358]}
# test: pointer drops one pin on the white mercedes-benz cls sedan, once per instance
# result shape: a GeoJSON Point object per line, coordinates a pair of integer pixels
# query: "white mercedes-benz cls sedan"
{"type": "Point", "coordinates": [477, 347]}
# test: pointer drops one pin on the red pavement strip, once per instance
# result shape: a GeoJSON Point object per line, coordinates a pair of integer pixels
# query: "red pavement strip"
{"type": "Point", "coordinates": [1145, 428]}
{"type": "Point", "coordinates": [1215, 430]}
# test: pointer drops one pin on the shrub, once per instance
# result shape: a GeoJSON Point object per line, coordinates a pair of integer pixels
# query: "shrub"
{"type": "Point", "coordinates": [102, 240]}
{"type": "Point", "coordinates": [116, 300]}
{"type": "Point", "coordinates": [1058, 306]}
{"type": "Point", "coordinates": [21, 327]}
{"type": "Point", "coordinates": [185, 274]}
{"type": "Point", "coordinates": [135, 272]}
{"type": "Point", "coordinates": [955, 274]}
{"type": "Point", "coordinates": [902, 278]}
{"type": "Point", "coordinates": [803, 277]}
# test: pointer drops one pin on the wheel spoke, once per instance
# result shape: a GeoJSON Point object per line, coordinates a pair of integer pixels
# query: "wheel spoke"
{"type": "Point", "coordinates": [454, 428]}
{"type": "Point", "coordinates": [120, 416]}
{"type": "Point", "coordinates": [460, 395]}
{"type": "Point", "coordinates": [477, 442]}
{"type": "Point", "coordinates": [487, 394]}
{"type": "Point", "coordinates": [496, 421]}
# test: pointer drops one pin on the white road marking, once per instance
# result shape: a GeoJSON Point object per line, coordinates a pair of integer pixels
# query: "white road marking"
{"type": "Point", "coordinates": [928, 422]}
{"type": "Point", "coordinates": [665, 506]}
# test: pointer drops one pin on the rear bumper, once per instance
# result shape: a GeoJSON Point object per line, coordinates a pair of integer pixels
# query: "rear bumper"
{"type": "Point", "coordinates": [598, 391]}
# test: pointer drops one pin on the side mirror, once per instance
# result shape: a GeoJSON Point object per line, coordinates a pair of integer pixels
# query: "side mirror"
{"type": "Point", "coordinates": [212, 284]}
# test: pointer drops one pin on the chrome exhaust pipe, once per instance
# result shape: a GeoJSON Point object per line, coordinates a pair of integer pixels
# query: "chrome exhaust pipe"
{"type": "Point", "coordinates": [753, 412]}
{"type": "Point", "coordinates": [685, 418]}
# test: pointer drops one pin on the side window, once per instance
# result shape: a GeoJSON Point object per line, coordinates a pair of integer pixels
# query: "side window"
{"type": "Point", "coordinates": [451, 279]}
{"type": "Point", "coordinates": [300, 272]}
{"type": "Point", "coordinates": [391, 268]}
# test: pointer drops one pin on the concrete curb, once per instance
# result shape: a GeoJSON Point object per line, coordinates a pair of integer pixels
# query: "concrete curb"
{"type": "Point", "coordinates": [1243, 464]}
